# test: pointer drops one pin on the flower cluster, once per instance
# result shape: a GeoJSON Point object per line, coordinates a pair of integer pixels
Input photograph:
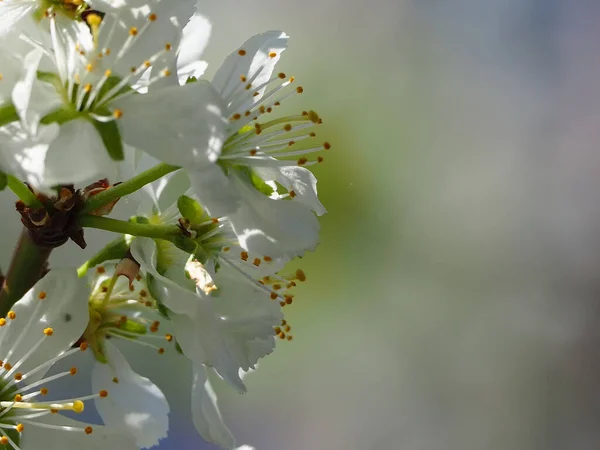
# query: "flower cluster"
{"type": "Point", "coordinates": [100, 99]}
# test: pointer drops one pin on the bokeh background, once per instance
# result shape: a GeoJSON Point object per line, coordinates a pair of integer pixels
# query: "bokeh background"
{"type": "Point", "coordinates": [454, 302]}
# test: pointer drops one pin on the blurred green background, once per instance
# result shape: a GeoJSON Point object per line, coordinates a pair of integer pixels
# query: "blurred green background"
{"type": "Point", "coordinates": [453, 301]}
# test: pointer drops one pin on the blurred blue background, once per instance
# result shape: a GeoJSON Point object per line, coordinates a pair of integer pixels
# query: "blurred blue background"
{"type": "Point", "coordinates": [453, 303]}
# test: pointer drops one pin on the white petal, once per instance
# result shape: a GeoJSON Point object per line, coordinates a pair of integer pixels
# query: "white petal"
{"type": "Point", "coordinates": [205, 411]}
{"type": "Point", "coordinates": [11, 71]}
{"type": "Point", "coordinates": [232, 329]}
{"type": "Point", "coordinates": [11, 13]}
{"type": "Point", "coordinates": [300, 180]}
{"type": "Point", "coordinates": [256, 58]}
{"type": "Point", "coordinates": [214, 190]}
{"type": "Point", "coordinates": [277, 228]}
{"type": "Point", "coordinates": [102, 438]}
{"type": "Point", "coordinates": [34, 99]}
{"type": "Point", "coordinates": [180, 125]}
{"type": "Point", "coordinates": [134, 405]}
{"type": "Point", "coordinates": [195, 38]}
{"type": "Point", "coordinates": [174, 296]}
{"type": "Point", "coordinates": [77, 155]}
{"type": "Point", "coordinates": [23, 155]}
{"type": "Point", "coordinates": [64, 309]}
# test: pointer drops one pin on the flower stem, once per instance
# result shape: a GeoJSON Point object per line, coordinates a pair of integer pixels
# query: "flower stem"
{"type": "Point", "coordinates": [21, 190]}
{"type": "Point", "coordinates": [26, 268]}
{"type": "Point", "coordinates": [127, 187]}
{"type": "Point", "coordinates": [166, 232]}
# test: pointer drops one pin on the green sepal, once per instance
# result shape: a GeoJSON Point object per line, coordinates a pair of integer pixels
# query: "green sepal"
{"type": "Point", "coordinates": [3, 181]}
{"type": "Point", "coordinates": [258, 183]}
{"type": "Point", "coordinates": [111, 137]}
{"type": "Point", "coordinates": [60, 116]}
{"type": "Point", "coordinates": [8, 114]}
{"type": "Point", "coordinates": [190, 209]}
{"type": "Point", "coordinates": [191, 80]}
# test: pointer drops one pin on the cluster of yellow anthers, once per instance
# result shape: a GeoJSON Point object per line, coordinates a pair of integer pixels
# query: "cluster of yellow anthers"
{"type": "Point", "coordinates": [272, 138]}
{"type": "Point", "coordinates": [110, 303]}
{"type": "Point", "coordinates": [18, 403]}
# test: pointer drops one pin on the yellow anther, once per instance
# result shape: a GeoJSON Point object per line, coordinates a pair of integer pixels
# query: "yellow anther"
{"type": "Point", "coordinates": [152, 17]}
{"type": "Point", "coordinates": [281, 75]}
{"type": "Point", "coordinates": [20, 427]}
{"type": "Point", "coordinates": [4, 440]}
{"type": "Point", "coordinates": [243, 78]}
{"type": "Point", "coordinates": [241, 52]}
{"type": "Point", "coordinates": [161, 350]}
{"type": "Point", "coordinates": [115, 380]}
{"type": "Point", "coordinates": [103, 393]}
{"type": "Point", "coordinates": [2, 322]}
{"type": "Point", "coordinates": [44, 391]}
{"type": "Point", "coordinates": [133, 31]}
{"type": "Point", "coordinates": [292, 193]}
{"type": "Point", "coordinates": [236, 116]}
{"type": "Point", "coordinates": [302, 161]}
{"type": "Point", "coordinates": [273, 296]}
{"type": "Point", "coordinates": [147, 63]}
{"type": "Point", "coordinates": [93, 20]}
{"type": "Point", "coordinates": [117, 113]}
{"type": "Point", "coordinates": [78, 406]}
{"type": "Point", "coordinates": [225, 249]}
{"type": "Point", "coordinates": [83, 346]}
{"type": "Point", "coordinates": [89, 67]}
{"type": "Point", "coordinates": [73, 370]}
{"type": "Point", "coordinates": [267, 258]}
{"type": "Point", "coordinates": [244, 256]}
{"type": "Point", "coordinates": [299, 89]}
{"type": "Point", "coordinates": [12, 315]}
{"type": "Point", "coordinates": [166, 73]}
{"type": "Point", "coordinates": [168, 47]}
{"type": "Point", "coordinates": [287, 127]}
{"type": "Point", "coordinates": [289, 338]}
{"type": "Point", "coordinates": [18, 398]}
{"type": "Point", "coordinates": [89, 430]}
{"type": "Point", "coordinates": [272, 55]}
{"type": "Point", "coordinates": [107, 73]}
{"type": "Point", "coordinates": [168, 337]}
{"type": "Point", "coordinates": [42, 295]}
{"type": "Point", "coordinates": [319, 159]}
{"type": "Point", "coordinates": [256, 262]}
{"type": "Point", "coordinates": [100, 270]}
{"type": "Point", "coordinates": [48, 331]}
{"type": "Point", "coordinates": [87, 87]}
{"type": "Point", "coordinates": [18, 376]}
{"type": "Point", "coordinates": [326, 145]}
{"type": "Point", "coordinates": [7, 366]}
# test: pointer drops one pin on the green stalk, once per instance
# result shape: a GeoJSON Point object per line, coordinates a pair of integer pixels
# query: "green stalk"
{"type": "Point", "coordinates": [127, 187]}
{"type": "Point", "coordinates": [22, 191]}
{"type": "Point", "coordinates": [166, 232]}
{"type": "Point", "coordinates": [26, 268]}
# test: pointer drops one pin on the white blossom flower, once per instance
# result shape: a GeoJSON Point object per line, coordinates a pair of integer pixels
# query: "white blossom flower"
{"type": "Point", "coordinates": [268, 198]}
{"type": "Point", "coordinates": [39, 331]}
{"type": "Point", "coordinates": [224, 302]}
{"type": "Point", "coordinates": [124, 311]}
{"type": "Point", "coordinates": [91, 96]}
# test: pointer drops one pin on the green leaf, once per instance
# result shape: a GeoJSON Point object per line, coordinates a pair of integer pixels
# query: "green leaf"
{"type": "Point", "coordinates": [190, 209]}
{"type": "Point", "coordinates": [111, 137]}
